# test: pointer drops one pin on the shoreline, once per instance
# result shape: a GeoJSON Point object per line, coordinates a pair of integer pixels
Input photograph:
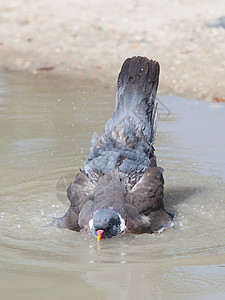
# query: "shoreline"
{"type": "Point", "coordinates": [91, 40]}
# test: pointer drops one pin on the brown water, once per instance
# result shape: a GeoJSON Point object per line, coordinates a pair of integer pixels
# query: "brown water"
{"type": "Point", "coordinates": [46, 125]}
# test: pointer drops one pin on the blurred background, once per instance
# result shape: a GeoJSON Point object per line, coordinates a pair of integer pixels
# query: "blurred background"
{"type": "Point", "coordinates": [91, 39]}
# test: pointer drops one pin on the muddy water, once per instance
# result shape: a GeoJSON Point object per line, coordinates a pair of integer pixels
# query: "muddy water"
{"type": "Point", "coordinates": [45, 126]}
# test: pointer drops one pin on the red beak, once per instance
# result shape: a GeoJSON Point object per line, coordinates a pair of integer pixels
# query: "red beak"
{"type": "Point", "coordinates": [100, 233]}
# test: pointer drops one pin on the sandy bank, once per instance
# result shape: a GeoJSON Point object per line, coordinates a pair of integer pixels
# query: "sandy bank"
{"type": "Point", "coordinates": [90, 39]}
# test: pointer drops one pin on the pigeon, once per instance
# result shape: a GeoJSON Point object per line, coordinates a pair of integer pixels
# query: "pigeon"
{"type": "Point", "coordinates": [120, 188]}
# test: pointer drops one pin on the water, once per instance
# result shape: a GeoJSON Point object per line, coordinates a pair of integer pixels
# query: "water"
{"type": "Point", "coordinates": [46, 124]}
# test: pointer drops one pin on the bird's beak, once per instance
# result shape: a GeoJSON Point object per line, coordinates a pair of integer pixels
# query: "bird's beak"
{"type": "Point", "coordinates": [100, 233]}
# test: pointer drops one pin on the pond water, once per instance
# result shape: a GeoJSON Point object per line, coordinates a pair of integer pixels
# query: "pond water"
{"type": "Point", "coordinates": [46, 124]}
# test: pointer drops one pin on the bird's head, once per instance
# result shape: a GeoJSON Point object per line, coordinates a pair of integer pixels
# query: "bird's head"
{"type": "Point", "coordinates": [106, 223]}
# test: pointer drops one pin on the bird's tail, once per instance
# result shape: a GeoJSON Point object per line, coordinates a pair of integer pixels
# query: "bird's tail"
{"type": "Point", "coordinates": [127, 142]}
{"type": "Point", "coordinates": [135, 113]}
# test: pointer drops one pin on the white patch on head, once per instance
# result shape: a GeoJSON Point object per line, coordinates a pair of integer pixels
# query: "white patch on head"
{"type": "Point", "coordinates": [122, 223]}
{"type": "Point", "coordinates": [90, 223]}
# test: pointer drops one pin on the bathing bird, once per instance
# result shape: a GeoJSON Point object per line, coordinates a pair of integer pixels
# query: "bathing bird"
{"type": "Point", "coordinates": [120, 188]}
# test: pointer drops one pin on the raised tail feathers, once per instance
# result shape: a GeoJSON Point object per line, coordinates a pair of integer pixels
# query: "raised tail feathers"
{"type": "Point", "coordinates": [138, 80]}
{"type": "Point", "coordinates": [127, 142]}
{"type": "Point", "coordinates": [135, 100]}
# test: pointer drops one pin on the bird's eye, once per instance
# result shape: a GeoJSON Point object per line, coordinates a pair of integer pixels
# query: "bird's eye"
{"type": "Point", "coordinates": [110, 224]}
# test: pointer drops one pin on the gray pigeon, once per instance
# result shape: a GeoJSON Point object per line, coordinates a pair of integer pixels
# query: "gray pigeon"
{"type": "Point", "coordinates": [120, 188]}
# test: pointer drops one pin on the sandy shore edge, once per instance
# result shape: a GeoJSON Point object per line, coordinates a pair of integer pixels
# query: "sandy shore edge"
{"type": "Point", "coordinates": [93, 38]}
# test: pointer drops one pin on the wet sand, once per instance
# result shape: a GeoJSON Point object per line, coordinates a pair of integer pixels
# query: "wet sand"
{"type": "Point", "coordinates": [91, 39]}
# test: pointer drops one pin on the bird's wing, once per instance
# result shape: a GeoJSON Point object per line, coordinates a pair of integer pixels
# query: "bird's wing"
{"type": "Point", "coordinates": [147, 198]}
{"type": "Point", "coordinates": [79, 193]}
